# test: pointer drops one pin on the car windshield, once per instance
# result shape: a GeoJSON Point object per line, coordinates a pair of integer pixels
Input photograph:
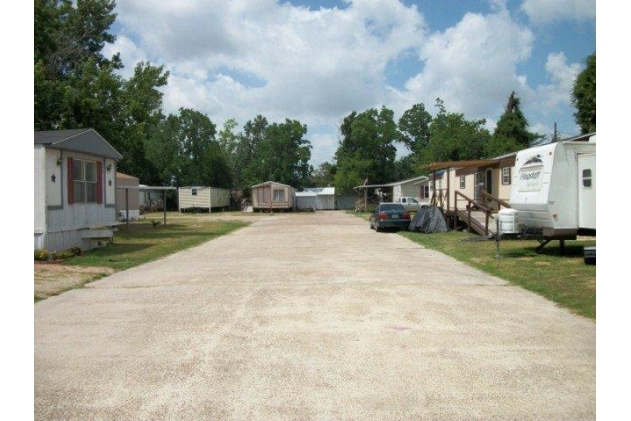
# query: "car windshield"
{"type": "Point", "coordinates": [391, 208]}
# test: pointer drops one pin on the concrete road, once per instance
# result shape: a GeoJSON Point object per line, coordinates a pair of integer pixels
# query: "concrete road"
{"type": "Point", "coordinates": [310, 317]}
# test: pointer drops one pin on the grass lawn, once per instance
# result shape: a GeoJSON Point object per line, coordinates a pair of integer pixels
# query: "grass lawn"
{"type": "Point", "coordinates": [142, 242]}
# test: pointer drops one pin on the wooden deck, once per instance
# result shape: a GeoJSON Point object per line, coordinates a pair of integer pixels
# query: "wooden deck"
{"type": "Point", "coordinates": [478, 222]}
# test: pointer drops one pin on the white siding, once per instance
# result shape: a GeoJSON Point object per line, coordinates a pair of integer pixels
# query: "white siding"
{"type": "Point", "coordinates": [205, 198]}
{"type": "Point", "coordinates": [40, 195]}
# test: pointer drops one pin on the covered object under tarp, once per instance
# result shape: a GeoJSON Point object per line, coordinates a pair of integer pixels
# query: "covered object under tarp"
{"type": "Point", "coordinates": [428, 219]}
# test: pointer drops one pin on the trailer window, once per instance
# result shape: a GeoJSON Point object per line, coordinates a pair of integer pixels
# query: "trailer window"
{"type": "Point", "coordinates": [193, 192]}
{"type": "Point", "coordinates": [506, 176]}
{"type": "Point", "coordinates": [587, 178]}
{"type": "Point", "coordinates": [85, 181]}
{"type": "Point", "coordinates": [279, 195]}
{"type": "Point", "coordinates": [462, 182]}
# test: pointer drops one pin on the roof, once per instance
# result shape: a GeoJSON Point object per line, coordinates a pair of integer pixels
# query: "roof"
{"type": "Point", "coordinates": [125, 176]}
{"type": "Point", "coordinates": [323, 191]}
{"type": "Point", "coordinates": [271, 183]}
{"type": "Point", "coordinates": [78, 140]}
{"type": "Point", "coordinates": [394, 183]}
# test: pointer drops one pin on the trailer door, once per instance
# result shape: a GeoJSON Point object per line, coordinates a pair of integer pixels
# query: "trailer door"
{"type": "Point", "coordinates": [587, 191]}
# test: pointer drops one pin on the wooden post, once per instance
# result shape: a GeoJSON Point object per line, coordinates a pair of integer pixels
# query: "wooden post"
{"type": "Point", "coordinates": [127, 208]}
{"type": "Point", "coordinates": [164, 205]}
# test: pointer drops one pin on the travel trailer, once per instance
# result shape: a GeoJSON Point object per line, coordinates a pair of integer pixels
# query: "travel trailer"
{"type": "Point", "coordinates": [553, 196]}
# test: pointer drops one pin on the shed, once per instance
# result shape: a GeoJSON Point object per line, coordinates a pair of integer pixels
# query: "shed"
{"type": "Point", "coordinates": [75, 189]}
{"type": "Point", "coordinates": [202, 197]}
{"type": "Point", "coordinates": [127, 197]}
{"type": "Point", "coordinates": [325, 197]}
{"type": "Point", "coordinates": [271, 196]}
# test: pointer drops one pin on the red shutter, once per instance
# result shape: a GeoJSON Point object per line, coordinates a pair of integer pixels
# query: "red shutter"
{"type": "Point", "coordinates": [70, 181]}
{"type": "Point", "coordinates": [99, 182]}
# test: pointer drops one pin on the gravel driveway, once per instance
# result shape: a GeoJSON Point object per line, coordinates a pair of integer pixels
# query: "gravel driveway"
{"type": "Point", "coordinates": [310, 317]}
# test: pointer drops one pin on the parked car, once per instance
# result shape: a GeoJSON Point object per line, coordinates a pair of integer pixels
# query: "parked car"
{"type": "Point", "coordinates": [389, 215]}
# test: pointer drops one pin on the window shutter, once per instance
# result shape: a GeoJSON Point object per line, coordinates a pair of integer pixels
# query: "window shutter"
{"type": "Point", "coordinates": [99, 182]}
{"type": "Point", "coordinates": [70, 181]}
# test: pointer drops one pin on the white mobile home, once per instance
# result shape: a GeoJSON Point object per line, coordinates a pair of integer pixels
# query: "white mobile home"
{"type": "Point", "coordinates": [205, 198]}
{"type": "Point", "coordinates": [554, 189]}
{"type": "Point", "coordinates": [325, 197]}
{"type": "Point", "coordinates": [75, 189]}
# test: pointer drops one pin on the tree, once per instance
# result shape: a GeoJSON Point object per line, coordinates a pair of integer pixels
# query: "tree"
{"type": "Point", "coordinates": [184, 151]}
{"type": "Point", "coordinates": [584, 96]}
{"type": "Point", "coordinates": [366, 150]}
{"type": "Point", "coordinates": [324, 175]}
{"type": "Point", "coordinates": [511, 133]}
{"type": "Point", "coordinates": [285, 154]}
{"type": "Point", "coordinates": [414, 128]}
{"type": "Point", "coordinates": [75, 86]}
{"type": "Point", "coordinates": [454, 138]}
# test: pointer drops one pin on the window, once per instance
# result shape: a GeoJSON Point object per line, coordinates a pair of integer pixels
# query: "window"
{"type": "Point", "coordinates": [462, 182]}
{"type": "Point", "coordinates": [84, 184]}
{"type": "Point", "coordinates": [587, 178]}
{"type": "Point", "coordinates": [193, 192]}
{"type": "Point", "coordinates": [506, 175]}
{"type": "Point", "coordinates": [279, 195]}
{"type": "Point", "coordinates": [425, 192]}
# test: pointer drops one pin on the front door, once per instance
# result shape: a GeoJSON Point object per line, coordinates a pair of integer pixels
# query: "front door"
{"type": "Point", "coordinates": [587, 191]}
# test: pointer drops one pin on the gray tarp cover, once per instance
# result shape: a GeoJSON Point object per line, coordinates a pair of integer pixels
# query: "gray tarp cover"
{"type": "Point", "coordinates": [428, 219]}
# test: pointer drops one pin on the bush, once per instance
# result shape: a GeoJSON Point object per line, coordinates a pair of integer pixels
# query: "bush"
{"type": "Point", "coordinates": [50, 256]}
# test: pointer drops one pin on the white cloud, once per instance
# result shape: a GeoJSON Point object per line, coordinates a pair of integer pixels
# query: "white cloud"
{"type": "Point", "coordinates": [472, 66]}
{"type": "Point", "coordinates": [545, 11]}
{"type": "Point", "coordinates": [238, 59]}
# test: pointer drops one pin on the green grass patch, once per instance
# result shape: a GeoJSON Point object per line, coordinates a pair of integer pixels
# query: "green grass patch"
{"type": "Point", "coordinates": [143, 241]}
{"type": "Point", "coordinates": [560, 275]}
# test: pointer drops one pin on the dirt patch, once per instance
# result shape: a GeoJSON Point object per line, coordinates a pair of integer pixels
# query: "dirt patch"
{"type": "Point", "coordinates": [53, 278]}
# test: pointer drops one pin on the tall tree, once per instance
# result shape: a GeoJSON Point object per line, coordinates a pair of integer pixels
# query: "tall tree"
{"type": "Point", "coordinates": [454, 138]}
{"type": "Point", "coordinates": [584, 96]}
{"type": "Point", "coordinates": [511, 133]}
{"type": "Point", "coordinates": [285, 154]}
{"type": "Point", "coordinates": [366, 150]}
{"type": "Point", "coordinates": [185, 151]}
{"type": "Point", "coordinates": [324, 175]}
{"type": "Point", "coordinates": [414, 128]}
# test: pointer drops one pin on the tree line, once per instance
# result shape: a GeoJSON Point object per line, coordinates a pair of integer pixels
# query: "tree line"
{"type": "Point", "coordinates": [75, 86]}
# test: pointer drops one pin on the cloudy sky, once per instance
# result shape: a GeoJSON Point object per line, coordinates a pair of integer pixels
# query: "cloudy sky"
{"type": "Point", "coordinates": [317, 61]}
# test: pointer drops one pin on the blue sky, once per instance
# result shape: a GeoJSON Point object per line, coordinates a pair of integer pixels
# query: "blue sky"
{"type": "Point", "coordinates": [317, 61]}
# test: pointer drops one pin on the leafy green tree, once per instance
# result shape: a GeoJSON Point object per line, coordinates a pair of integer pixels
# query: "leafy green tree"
{"type": "Point", "coordinates": [584, 96]}
{"type": "Point", "coordinates": [324, 175]}
{"type": "Point", "coordinates": [511, 133]}
{"type": "Point", "coordinates": [184, 151]}
{"type": "Point", "coordinates": [366, 150]}
{"type": "Point", "coordinates": [248, 168]}
{"type": "Point", "coordinates": [414, 128]}
{"type": "Point", "coordinates": [285, 154]}
{"type": "Point", "coordinates": [76, 86]}
{"type": "Point", "coordinates": [454, 138]}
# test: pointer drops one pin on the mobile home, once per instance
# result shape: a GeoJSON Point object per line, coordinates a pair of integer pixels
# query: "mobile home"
{"type": "Point", "coordinates": [204, 198]}
{"type": "Point", "coordinates": [272, 196]}
{"type": "Point", "coordinates": [554, 189]}
{"type": "Point", "coordinates": [75, 189]}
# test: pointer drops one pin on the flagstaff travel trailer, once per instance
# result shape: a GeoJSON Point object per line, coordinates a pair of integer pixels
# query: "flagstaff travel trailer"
{"type": "Point", "coordinates": [554, 190]}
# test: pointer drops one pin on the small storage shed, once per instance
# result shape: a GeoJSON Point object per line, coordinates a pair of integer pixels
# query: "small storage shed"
{"type": "Point", "coordinates": [271, 196]}
{"type": "Point", "coordinates": [201, 197]}
{"type": "Point", "coordinates": [75, 189]}
{"type": "Point", "coordinates": [127, 197]}
{"type": "Point", "coordinates": [306, 200]}
{"type": "Point", "coordinates": [325, 197]}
